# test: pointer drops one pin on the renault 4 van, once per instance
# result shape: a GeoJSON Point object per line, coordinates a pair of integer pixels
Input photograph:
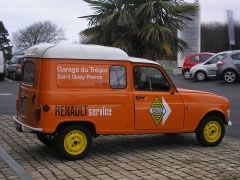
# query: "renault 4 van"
{"type": "Point", "coordinates": [70, 94]}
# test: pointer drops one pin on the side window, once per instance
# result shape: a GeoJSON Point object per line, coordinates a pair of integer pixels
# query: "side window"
{"type": "Point", "coordinates": [236, 56]}
{"type": "Point", "coordinates": [205, 57]}
{"type": "Point", "coordinates": [149, 79]}
{"type": "Point", "coordinates": [29, 73]}
{"type": "Point", "coordinates": [195, 58]}
{"type": "Point", "coordinates": [118, 78]}
{"type": "Point", "coordinates": [216, 58]}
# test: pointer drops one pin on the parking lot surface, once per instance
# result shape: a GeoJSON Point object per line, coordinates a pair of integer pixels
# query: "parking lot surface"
{"type": "Point", "coordinates": [122, 157]}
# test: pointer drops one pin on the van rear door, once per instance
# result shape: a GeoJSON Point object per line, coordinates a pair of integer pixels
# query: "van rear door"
{"type": "Point", "coordinates": [27, 93]}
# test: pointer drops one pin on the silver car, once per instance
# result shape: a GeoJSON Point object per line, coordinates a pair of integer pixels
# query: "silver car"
{"type": "Point", "coordinates": [207, 69]}
{"type": "Point", "coordinates": [229, 67]}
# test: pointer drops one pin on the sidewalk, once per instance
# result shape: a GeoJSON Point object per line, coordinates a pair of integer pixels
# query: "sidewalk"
{"type": "Point", "coordinates": [123, 157]}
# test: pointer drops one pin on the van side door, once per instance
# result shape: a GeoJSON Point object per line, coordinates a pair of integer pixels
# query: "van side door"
{"type": "Point", "coordinates": [155, 106]}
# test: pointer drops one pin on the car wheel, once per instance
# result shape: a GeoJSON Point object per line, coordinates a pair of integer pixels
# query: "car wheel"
{"type": "Point", "coordinates": [230, 76]}
{"type": "Point", "coordinates": [200, 76]}
{"type": "Point", "coordinates": [74, 142]}
{"type": "Point", "coordinates": [210, 131]}
{"type": "Point", "coordinates": [186, 74]}
{"type": "Point", "coordinates": [46, 139]}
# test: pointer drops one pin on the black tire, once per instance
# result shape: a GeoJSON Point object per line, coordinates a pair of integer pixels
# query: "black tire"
{"type": "Point", "coordinates": [46, 139]}
{"type": "Point", "coordinates": [1, 77]}
{"type": "Point", "coordinates": [200, 76]}
{"type": "Point", "coordinates": [186, 75]}
{"type": "Point", "coordinates": [230, 76]}
{"type": "Point", "coordinates": [74, 141]}
{"type": "Point", "coordinates": [210, 131]}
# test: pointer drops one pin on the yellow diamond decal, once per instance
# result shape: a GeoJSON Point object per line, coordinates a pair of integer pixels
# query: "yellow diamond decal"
{"type": "Point", "coordinates": [157, 111]}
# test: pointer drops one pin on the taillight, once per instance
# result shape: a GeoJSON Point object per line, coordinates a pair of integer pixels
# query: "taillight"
{"type": "Point", "coordinates": [220, 63]}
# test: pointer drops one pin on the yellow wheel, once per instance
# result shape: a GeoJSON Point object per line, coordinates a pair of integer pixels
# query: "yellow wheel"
{"type": "Point", "coordinates": [210, 131]}
{"type": "Point", "coordinates": [74, 142]}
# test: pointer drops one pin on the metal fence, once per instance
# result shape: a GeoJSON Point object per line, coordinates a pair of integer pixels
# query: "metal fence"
{"type": "Point", "coordinates": [167, 64]}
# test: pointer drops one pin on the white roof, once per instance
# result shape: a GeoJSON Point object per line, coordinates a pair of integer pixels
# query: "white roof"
{"type": "Point", "coordinates": [141, 60]}
{"type": "Point", "coordinates": [80, 51]}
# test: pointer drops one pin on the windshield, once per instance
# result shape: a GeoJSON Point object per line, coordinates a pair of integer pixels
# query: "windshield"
{"type": "Point", "coordinates": [216, 58]}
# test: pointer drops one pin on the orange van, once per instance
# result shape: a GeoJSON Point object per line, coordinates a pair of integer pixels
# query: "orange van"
{"type": "Point", "coordinates": [72, 93]}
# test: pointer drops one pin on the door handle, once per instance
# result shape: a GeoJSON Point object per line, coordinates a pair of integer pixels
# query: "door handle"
{"type": "Point", "coordinates": [140, 97]}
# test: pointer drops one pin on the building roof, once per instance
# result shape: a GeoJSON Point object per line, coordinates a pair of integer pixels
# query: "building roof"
{"type": "Point", "coordinates": [80, 51]}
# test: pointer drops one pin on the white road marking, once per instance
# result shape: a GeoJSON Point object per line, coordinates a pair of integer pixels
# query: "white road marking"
{"type": "Point", "coordinates": [8, 79]}
{"type": "Point", "coordinates": [5, 94]}
{"type": "Point", "coordinates": [17, 168]}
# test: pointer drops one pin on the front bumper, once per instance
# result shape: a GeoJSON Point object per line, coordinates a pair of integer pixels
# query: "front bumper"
{"type": "Point", "coordinates": [229, 123]}
{"type": "Point", "coordinates": [21, 127]}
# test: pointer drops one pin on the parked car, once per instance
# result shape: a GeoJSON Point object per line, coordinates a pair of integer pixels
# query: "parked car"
{"type": "Point", "coordinates": [193, 59]}
{"type": "Point", "coordinates": [207, 69]}
{"type": "Point", "coordinates": [1, 66]}
{"type": "Point", "coordinates": [229, 67]}
{"type": "Point", "coordinates": [14, 70]}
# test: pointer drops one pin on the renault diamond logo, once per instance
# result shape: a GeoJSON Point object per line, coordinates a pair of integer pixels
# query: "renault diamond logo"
{"type": "Point", "coordinates": [160, 111]}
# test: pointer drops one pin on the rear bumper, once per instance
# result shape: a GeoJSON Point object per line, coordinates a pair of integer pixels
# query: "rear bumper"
{"type": "Point", "coordinates": [21, 127]}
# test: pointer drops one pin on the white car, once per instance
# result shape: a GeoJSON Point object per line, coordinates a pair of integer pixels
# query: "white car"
{"type": "Point", "coordinates": [1, 66]}
{"type": "Point", "coordinates": [207, 69]}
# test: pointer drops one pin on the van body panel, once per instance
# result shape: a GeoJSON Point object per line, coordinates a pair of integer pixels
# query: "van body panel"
{"type": "Point", "coordinates": [73, 99]}
{"type": "Point", "coordinates": [172, 106]}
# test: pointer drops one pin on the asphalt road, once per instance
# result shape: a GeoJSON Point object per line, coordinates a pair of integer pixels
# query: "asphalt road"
{"type": "Point", "coordinates": [8, 96]}
{"type": "Point", "coordinates": [9, 90]}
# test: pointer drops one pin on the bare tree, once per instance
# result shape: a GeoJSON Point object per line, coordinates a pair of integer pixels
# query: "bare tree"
{"type": "Point", "coordinates": [39, 32]}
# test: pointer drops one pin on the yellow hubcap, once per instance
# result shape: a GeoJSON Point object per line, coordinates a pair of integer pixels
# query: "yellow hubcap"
{"type": "Point", "coordinates": [212, 131]}
{"type": "Point", "coordinates": [75, 142]}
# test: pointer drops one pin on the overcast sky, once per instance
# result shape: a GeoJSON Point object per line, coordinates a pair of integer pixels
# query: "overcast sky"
{"type": "Point", "coordinates": [16, 14]}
